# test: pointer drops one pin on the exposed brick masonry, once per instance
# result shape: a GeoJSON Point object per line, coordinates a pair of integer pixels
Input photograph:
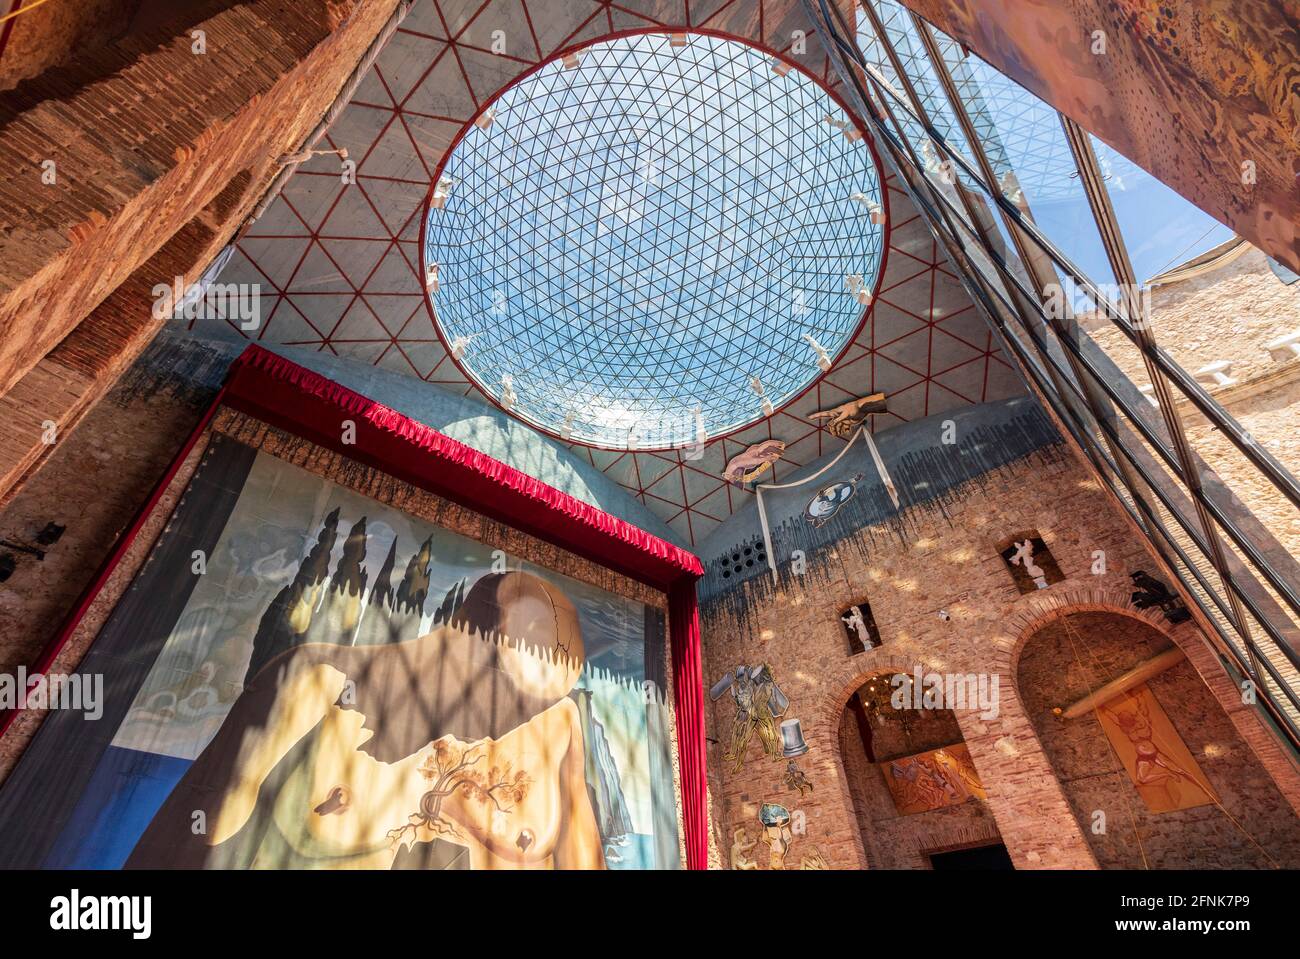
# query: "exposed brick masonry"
{"type": "Point", "coordinates": [952, 564]}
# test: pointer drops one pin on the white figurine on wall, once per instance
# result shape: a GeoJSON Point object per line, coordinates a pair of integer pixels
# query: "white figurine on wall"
{"type": "Point", "coordinates": [1024, 556]}
{"type": "Point", "coordinates": [854, 621]}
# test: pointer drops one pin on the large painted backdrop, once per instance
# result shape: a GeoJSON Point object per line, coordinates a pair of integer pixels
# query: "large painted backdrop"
{"type": "Point", "coordinates": [301, 677]}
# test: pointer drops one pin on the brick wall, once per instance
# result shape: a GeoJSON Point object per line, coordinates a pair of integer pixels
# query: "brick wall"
{"type": "Point", "coordinates": [94, 484]}
{"type": "Point", "coordinates": [1068, 658]}
{"type": "Point", "coordinates": [36, 42]}
{"type": "Point", "coordinates": [160, 153]}
{"type": "Point", "coordinates": [891, 840]}
{"type": "Point", "coordinates": [947, 561]}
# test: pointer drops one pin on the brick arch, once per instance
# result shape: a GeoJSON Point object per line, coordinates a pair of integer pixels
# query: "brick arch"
{"type": "Point", "coordinates": [1030, 613]}
{"type": "Point", "coordinates": [826, 721]}
{"type": "Point", "coordinates": [852, 674]}
{"type": "Point", "coordinates": [1036, 610]}
{"type": "Point", "coordinates": [1054, 839]}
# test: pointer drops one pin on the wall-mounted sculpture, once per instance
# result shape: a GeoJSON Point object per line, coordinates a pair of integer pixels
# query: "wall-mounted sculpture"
{"type": "Point", "coordinates": [830, 499]}
{"type": "Point", "coordinates": [753, 462]}
{"type": "Point", "coordinates": [844, 419]}
{"type": "Point", "coordinates": [792, 742]}
{"type": "Point", "coordinates": [1151, 593]}
{"type": "Point", "coordinates": [813, 860]}
{"type": "Point", "coordinates": [776, 833]}
{"type": "Point", "coordinates": [759, 704]}
{"type": "Point", "coordinates": [1023, 556]}
{"type": "Point", "coordinates": [860, 627]}
{"type": "Point", "coordinates": [796, 779]}
{"type": "Point", "coordinates": [741, 844]}
{"type": "Point", "coordinates": [1031, 563]}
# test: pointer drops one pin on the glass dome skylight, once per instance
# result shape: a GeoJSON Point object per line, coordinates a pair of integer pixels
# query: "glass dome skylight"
{"type": "Point", "coordinates": [632, 242]}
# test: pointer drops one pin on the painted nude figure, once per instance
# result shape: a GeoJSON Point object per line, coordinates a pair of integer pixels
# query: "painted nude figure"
{"type": "Point", "coordinates": [347, 756]}
{"type": "Point", "coordinates": [1152, 766]}
{"type": "Point", "coordinates": [741, 845]}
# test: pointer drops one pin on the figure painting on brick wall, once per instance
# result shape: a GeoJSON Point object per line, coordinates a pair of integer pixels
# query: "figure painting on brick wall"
{"type": "Point", "coordinates": [1155, 757]}
{"type": "Point", "coordinates": [332, 711]}
{"type": "Point", "coordinates": [934, 779]}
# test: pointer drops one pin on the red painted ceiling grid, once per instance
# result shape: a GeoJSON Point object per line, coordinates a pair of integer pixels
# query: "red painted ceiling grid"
{"type": "Point", "coordinates": [341, 263]}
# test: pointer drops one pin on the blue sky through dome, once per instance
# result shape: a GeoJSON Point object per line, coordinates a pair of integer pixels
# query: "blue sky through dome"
{"type": "Point", "coordinates": [1023, 136]}
{"type": "Point", "coordinates": [643, 233]}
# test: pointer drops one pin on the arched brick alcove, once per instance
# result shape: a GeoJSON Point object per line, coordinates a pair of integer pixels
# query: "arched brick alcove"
{"type": "Point", "coordinates": [1035, 611]}
{"type": "Point", "coordinates": [1159, 814]}
{"type": "Point", "coordinates": [890, 840]}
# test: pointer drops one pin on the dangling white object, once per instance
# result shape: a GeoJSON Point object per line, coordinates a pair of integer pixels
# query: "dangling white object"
{"type": "Point", "coordinates": [459, 345]}
{"type": "Point", "coordinates": [508, 395]}
{"type": "Point", "coordinates": [441, 193]}
{"type": "Point", "coordinates": [858, 288]}
{"type": "Point", "coordinates": [880, 467]}
{"type": "Point", "coordinates": [873, 208]}
{"type": "Point", "coordinates": [823, 358]}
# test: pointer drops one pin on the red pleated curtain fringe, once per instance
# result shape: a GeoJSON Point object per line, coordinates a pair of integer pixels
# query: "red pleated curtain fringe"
{"type": "Point", "coordinates": [291, 397]}
{"type": "Point", "coordinates": [688, 688]}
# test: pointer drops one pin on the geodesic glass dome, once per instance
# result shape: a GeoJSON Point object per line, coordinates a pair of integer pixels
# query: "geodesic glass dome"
{"type": "Point", "coordinates": [631, 242]}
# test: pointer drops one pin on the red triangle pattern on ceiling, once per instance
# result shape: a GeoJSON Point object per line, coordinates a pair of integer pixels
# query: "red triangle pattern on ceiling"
{"type": "Point", "coordinates": [339, 263]}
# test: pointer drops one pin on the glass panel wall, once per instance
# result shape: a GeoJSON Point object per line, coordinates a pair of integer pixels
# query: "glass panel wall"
{"type": "Point", "coordinates": [1183, 387]}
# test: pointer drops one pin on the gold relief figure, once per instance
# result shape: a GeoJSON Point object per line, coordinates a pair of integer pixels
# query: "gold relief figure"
{"type": "Point", "coordinates": [764, 722]}
{"type": "Point", "coordinates": [795, 778]}
{"type": "Point", "coordinates": [776, 833]}
{"type": "Point", "coordinates": [742, 724]}
{"type": "Point", "coordinates": [741, 844]}
{"type": "Point", "coordinates": [813, 860]}
{"type": "Point", "coordinates": [759, 704]}
{"type": "Point", "coordinates": [348, 756]}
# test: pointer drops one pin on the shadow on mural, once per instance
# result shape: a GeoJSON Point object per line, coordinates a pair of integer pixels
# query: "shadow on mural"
{"type": "Point", "coordinates": [301, 677]}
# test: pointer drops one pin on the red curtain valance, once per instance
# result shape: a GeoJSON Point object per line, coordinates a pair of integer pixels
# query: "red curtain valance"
{"type": "Point", "coordinates": [284, 394]}
{"type": "Point", "coordinates": [291, 397]}
{"type": "Point", "coordinates": [306, 404]}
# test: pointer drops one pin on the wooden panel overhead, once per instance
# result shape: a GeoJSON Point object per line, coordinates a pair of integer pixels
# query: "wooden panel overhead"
{"type": "Point", "coordinates": [1205, 96]}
